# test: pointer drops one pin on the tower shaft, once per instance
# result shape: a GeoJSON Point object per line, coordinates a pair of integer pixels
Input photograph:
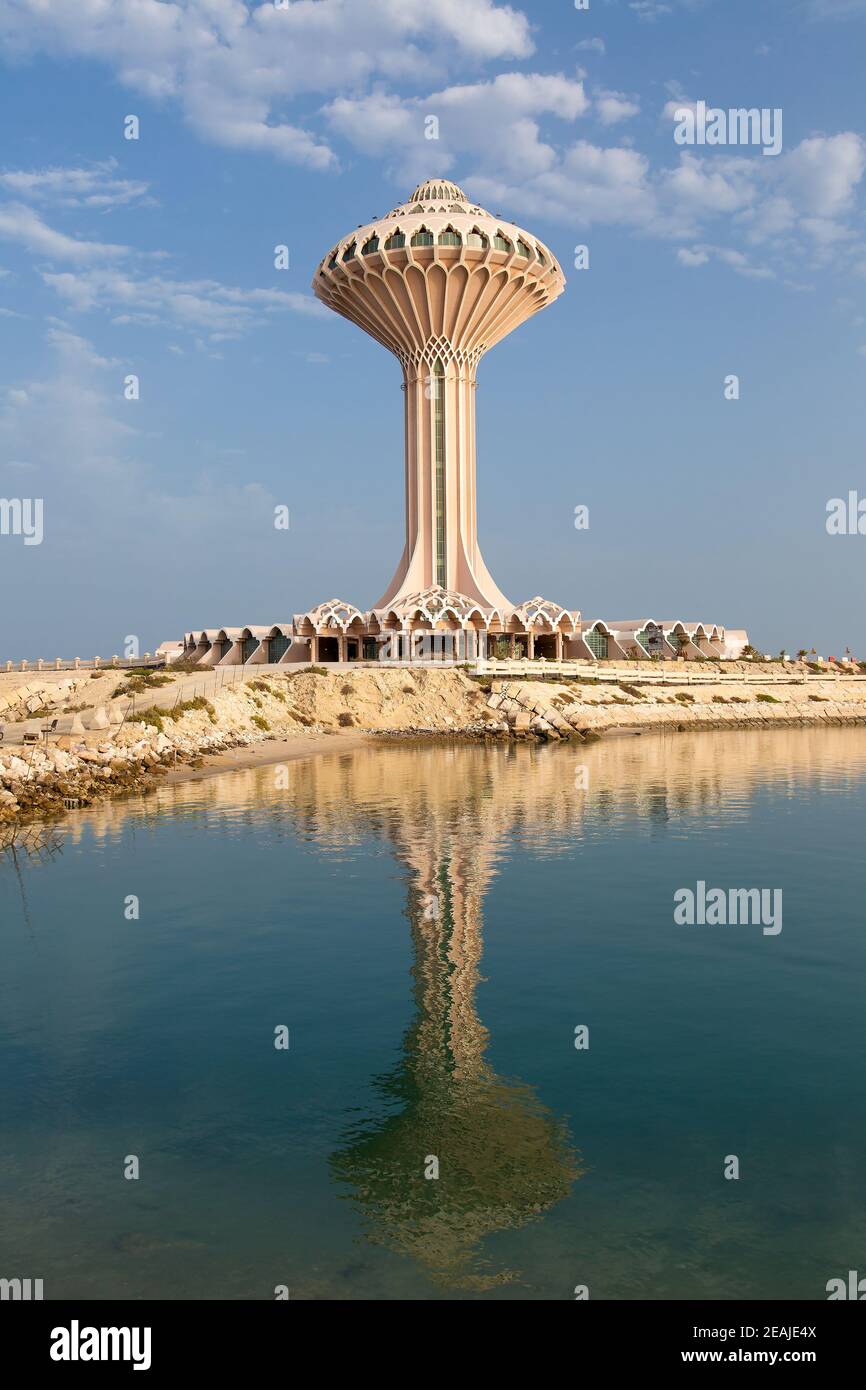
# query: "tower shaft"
{"type": "Point", "coordinates": [441, 511]}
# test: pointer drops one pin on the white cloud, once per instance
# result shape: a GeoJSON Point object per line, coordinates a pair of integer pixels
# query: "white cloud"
{"type": "Point", "coordinates": [822, 173]}
{"type": "Point", "coordinates": [23, 225]}
{"type": "Point", "coordinates": [201, 306]}
{"type": "Point", "coordinates": [799, 208]}
{"type": "Point", "coordinates": [93, 187]}
{"type": "Point", "coordinates": [232, 69]}
{"type": "Point", "coordinates": [589, 184]}
{"type": "Point", "coordinates": [510, 139]}
{"type": "Point", "coordinates": [613, 107]}
{"type": "Point", "coordinates": [650, 10]}
{"type": "Point", "coordinates": [591, 46]}
{"type": "Point", "coordinates": [71, 345]}
{"type": "Point", "coordinates": [496, 121]}
{"type": "Point", "coordinates": [697, 186]}
{"type": "Point", "coordinates": [701, 255]}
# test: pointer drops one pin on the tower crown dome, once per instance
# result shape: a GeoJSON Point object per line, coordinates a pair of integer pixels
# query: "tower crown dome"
{"type": "Point", "coordinates": [433, 189]}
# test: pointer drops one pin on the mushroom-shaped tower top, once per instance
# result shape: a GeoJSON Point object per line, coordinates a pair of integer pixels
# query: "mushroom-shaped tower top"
{"type": "Point", "coordinates": [438, 270]}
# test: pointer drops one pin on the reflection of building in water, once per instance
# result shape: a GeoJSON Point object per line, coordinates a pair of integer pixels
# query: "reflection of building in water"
{"type": "Point", "coordinates": [503, 1158]}
{"type": "Point", "coordinates": [449, 813]}
{"type": "Point", "coordinates": [520, 792]}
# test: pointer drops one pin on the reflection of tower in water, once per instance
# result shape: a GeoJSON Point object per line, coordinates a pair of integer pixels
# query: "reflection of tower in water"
{"type": "Point", "coordinates": [503, 1158]}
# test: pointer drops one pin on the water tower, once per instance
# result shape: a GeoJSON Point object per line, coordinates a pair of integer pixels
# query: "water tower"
{"type": "Point", "coordinates": [438, 282]}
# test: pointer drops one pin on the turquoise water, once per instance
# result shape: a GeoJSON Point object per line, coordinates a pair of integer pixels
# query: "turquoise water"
{"type": "Point", "coordinates": [431, 924]}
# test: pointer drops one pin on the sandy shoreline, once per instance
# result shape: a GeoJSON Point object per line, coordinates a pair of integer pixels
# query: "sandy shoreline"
{"type": "Point", "coordinates": [282, 750]}
{"type": "Point", "coordinates": [189, 734]}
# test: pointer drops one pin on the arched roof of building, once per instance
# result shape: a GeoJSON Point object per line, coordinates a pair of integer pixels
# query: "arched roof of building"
{"type": "Point", "coordinates": [541, 610]}
{"type": "Point", "coordinates": [690, 628]}
{"type": "Point", "coordinates": [630, 625]}
{"type": "Point", "coordinates": [333, 613]}
{"type": "Point", "coordinates": [436, 603]}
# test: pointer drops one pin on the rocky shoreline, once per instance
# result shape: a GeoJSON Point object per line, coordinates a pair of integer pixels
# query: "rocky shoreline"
{"type": "Point", "coordinates": [116, 753]}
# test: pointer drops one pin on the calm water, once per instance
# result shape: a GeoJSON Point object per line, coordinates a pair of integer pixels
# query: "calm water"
{"type": "Point", "coordinates": [432, 924]}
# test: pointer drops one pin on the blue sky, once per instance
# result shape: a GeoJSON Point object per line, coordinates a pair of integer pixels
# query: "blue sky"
{"type": "Point", "coordinates": [259, 127]}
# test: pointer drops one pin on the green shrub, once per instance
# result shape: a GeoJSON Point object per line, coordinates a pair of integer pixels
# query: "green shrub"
{"type": "Point", "coordinates": [153, 717]}
{"type": "Point", "coordinates": [766, 699]}
{"type": "Point", "coordinates": [261, 723]}
{"type": "Point", "coordinates": [198, 702]}
{"type": "Point", "coordinates": [139, 680]}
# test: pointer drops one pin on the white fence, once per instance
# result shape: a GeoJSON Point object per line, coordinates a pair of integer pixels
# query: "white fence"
{"type": "Point", "coordinates": [86, 663]}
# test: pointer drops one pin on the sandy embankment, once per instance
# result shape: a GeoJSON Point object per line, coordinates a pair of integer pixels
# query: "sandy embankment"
{"type": "Point", "coordinates": [198, 724]}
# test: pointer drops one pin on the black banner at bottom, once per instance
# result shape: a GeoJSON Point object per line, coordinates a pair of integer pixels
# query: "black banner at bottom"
{"type": "Point", "coordinates": [158, 1339]}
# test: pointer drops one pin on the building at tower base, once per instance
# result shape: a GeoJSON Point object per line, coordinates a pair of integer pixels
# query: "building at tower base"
{"type": "Point", "coordinates": [440, 627]}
